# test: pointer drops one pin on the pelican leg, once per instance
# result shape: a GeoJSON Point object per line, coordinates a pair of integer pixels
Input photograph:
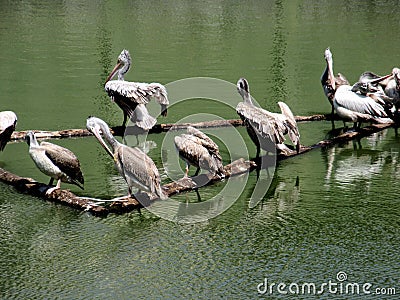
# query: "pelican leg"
{"type": "Point", "coordinates": [333, 117]}
{"type": "Point", "coordinates": [186, 170]}
{"type": "Point", "coordinates": [51, 182]}
{"type": "Point", "coordinates": [57, 187]}
{"type": "Point", "coordinates": [197, 171]}
{"type": "Point", "coordinates": [125, 119]}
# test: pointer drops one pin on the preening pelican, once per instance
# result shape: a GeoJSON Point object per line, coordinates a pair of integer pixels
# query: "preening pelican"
{"type": "Point", "coordinates": [8, 121]}
{"type": "Point", "coordinates": [197, 149]}
{"type": "Point", "coordinates": [132, 97]}
{"type": "Point", "coordinates": [329, 81]}
{"type": "Point", "coordinates": [55, 161]}
{"type": "Point", "coordinates": [133, 164]}
{"type": "Point", "coordinates": [267, 129]}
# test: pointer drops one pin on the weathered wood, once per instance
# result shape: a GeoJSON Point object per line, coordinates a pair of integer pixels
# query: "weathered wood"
{"type": "Point", "coordinates": [122, 204]}
{"type": "Point", "coordinates": [120, 130]}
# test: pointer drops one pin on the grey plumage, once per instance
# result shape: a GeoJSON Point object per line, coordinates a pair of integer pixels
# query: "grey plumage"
{"type": "Point", "coordinates": [8, 121]}
{"type": "Point", "coordinates": [55, 161]}
{"type": "Point", "coordinates": [133, 164]}
{"type": "Point", "coordinates": [266, 129]}
{"type": "Point", "coordinates": [130, 95]}
{"type": "Point", "coordinates": [199, 150]}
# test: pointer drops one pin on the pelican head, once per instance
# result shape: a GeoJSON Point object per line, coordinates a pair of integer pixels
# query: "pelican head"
{"type": "Point", "coordinates": [97, 127]}
{"type": "Point", "coordinates": [243, 88]}
{"type": "Point", "coordinates": [396, 74]}
{"type": "Point", "coordinates": [364, 88]}
{"type": "Point", "coordinates": [122, 67]}
{"type": "Point", "coordinates": [329, 62]}
{"type": "Point", "coordinates": [30, 138]}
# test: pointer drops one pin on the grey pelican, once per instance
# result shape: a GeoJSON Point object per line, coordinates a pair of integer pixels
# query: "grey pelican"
{"type": "Point", "coordinates": [358, 107]}
{"type": "Point", "coordinates": [267, 129]}
{"type": "Point", "coordinates": [133, 164]}
{"type": "Point", "coordinates": [8, 121]}
{"type": "Point", "coordinates": [132, 97]}
{"type": "Point", "coordinates": [55, 161]}
{"type": "Point", "coordinates": [197, 149]}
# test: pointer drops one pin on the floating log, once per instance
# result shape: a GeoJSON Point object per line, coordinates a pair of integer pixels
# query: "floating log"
{"type": "Point", "coordinates": [126, 204]}
{"type": "Point", "coordinates": [120, 130]}
{"type": "Point", "coordinates": [122, 204]}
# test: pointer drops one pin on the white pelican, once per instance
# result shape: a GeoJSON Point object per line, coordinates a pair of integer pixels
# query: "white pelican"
{"type": "Point", "coordinates": [55, 161]}
{"type": "Point", "coordinates": [132, 97]}
{"type": "Point", "coordinates": [8, 121]}
{"type": "Point", "coordinates": [133, 164]}
{"type": "Point", "coordinates": [329, 81]}
{"type": "Point", "coordinates": [358, 107]}
{"type": "Point", "coordinates": [267, 129]}
{"type": "Point", "coordinates": [197, 149]}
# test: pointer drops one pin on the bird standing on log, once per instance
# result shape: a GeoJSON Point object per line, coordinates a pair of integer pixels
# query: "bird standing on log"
{"type": "Point", "coordinates": [197, 149]}
{"type": "Point", "coordinates": [267, 129]}
{"type": "Point", "coordinates": [55, 161]}
{"type": "Point", "coordinates": [330, 82]}
{"type": "Point", "coordinates": [8, 121]}
{"type": "Point", "coordinates": [133, 164]}
{"type": "Point", "coordinates": [132, 97]}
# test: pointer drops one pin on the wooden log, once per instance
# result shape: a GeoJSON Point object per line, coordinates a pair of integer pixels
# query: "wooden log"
{"type": "Point", "coordinates": [122, 204]}
{"type": "Point", "coordinates": [126, 204]}
{"type": "Point", "coordinates": [120, 130]}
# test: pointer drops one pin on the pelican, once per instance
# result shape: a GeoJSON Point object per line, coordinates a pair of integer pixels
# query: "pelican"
{"type": "Point", "coordinates": [267, 129]}
{"type": "Point", "coordinates": [55, 161]}
{"type": "Point", "coordinates": [8, 121]}
{"type": "Point", "coordinates": [133, 164]}
{"type": "Point", "coordinates": [329, 81]}
{"type": "Point", "coordinates": [132, 97]}
{"type": "Point", "coordinates": [197, 149]}
{"type": "Point", "coordinates": [358, 107]}
{"type": "Point", "coordinates": [392, 88]}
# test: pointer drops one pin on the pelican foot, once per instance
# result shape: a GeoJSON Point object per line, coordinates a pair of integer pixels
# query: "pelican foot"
{"type": "Point", "coordinates": [50, 190]}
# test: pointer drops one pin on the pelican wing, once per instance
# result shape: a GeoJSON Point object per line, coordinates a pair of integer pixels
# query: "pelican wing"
{"type": "Point", "coordinates": [291, 123]}
{"type": "Point", "coordinates": [263, 122]}
{"type": "Point", "coordinates": [205, 141]}
{"type": "Point", "coordinates": [344, 97]}
{"type": "Point", "coordinates": [65, 160]}
{"type": "Point", "coordinates": [137, 92]}
{"type": "Point", "coordinates": [139, 168]}
{"type": "Point", "coordinates": [8, 121]}
{"type": "Point", "coordinates": [190, 148]}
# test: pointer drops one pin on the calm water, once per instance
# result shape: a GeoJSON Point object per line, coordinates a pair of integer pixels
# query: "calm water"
{"type": "Point", "coordinates": [328, 211]}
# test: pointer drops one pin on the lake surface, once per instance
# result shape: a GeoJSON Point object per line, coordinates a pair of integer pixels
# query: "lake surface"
{"type": "Point", "coordinates": [326, 212]}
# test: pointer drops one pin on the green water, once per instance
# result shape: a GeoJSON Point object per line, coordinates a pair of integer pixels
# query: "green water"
{"type": "Point", "coordinates": [328, 211]}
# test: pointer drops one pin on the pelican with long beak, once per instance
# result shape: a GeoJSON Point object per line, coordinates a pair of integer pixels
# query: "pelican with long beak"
{"type": "Point", "coordinates": [133, 164]}
{"type": "Point", "coordinates": [132, 97]}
